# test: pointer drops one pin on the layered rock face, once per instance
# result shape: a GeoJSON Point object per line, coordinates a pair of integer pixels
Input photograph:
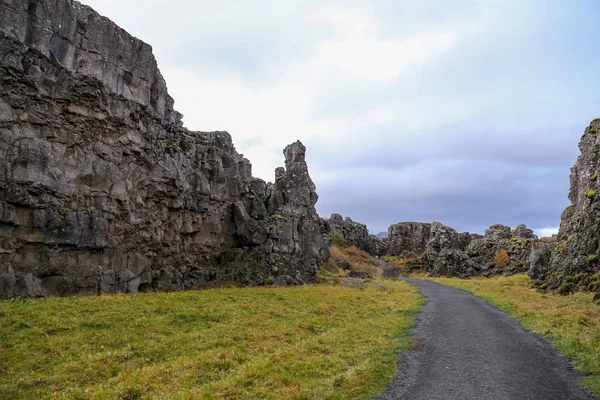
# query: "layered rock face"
{"type": "Point", "coordinates": [576, 254]}
{"type": "Point", "coordinates": [103, 191]}
{"type": "Point", "coordinates": [355, 234]}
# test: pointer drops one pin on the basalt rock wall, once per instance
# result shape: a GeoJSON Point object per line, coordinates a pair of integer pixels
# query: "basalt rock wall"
{"type": "Point", "coordinates": [103, 191]}
{"type": "Point", "coordinates": [573, 262]}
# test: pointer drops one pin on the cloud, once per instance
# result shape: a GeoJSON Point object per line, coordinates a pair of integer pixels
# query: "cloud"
{"type": "Point", "coordinates": [359, 51]}
{"type": "Point", "coordinates": [546, 232]}
{"type": "Point", "coordinates": [467, 113]}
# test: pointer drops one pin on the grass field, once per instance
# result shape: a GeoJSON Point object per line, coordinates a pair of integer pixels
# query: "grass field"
{"type": "Point", "coordinates": [311, 342]}
{"type": "Point", "coordinates": [571, 322]}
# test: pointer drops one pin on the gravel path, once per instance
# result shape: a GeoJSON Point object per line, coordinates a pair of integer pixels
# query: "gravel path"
{"type": "Point", "coordinates": [464, 348]}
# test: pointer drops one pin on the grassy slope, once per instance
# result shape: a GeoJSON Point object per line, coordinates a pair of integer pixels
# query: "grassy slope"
{"type": "Point", "coordinates": [312, 342]}
{"type": "Point", "coordinates": [572, 322]}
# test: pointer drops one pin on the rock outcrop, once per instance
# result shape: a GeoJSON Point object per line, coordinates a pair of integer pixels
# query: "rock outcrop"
{"type": "Point", "coordinates": [574, 261]}
{"type": "Point", "coordinates": [445, 252]}
{"type": "Point", "coordinates": [354, 233]}
{"type": "Point", "coordinates": [103, 191]}
{"type": "Point", "coordinates": [408, 239]}
{"type": "Point", "coordinates": [518, 243]}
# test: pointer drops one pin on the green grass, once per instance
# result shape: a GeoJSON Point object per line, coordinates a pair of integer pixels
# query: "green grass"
{"type": "Point", "coordinates": [571, 322]}
{"type": "Point", "coordinates": [311, 342]}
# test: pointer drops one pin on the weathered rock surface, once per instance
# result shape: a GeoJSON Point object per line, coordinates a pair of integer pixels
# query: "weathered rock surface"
{"type": "Point", "coordinates": [103, 191]}
{"type": "Point", "coordinates": [445, 253]}
{"type": "Point", "coordinates": [577, 252]}
{"type": "Point", "coordinates": [354, 233]}
{"type": "Point", "coordinates": [518, 243]}
{"type": "Point", "coordinates": [408, 239]}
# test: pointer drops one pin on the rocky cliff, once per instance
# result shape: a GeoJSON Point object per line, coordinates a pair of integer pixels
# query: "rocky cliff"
{"type": "Point", "coordinates": [101, 188]}
{"type": "Point", "coordinates": [574, 260]}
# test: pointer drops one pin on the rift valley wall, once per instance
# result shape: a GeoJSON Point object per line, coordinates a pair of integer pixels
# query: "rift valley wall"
{"type": "Point", "coordinates": [103, 191]}
{"type": "Point", "coordinates": [574, 262]}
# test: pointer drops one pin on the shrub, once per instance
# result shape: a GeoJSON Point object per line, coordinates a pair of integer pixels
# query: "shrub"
{"type": "Point", "coordinates": [391, 271]}
{"type": "Point", "coordinates": [501, 260]}
{"type": "Point", "coordinates": [338, 239]}
{"type": "Point", "coordinates": [354, 259]}
{"type": "Point", "coordinates": [592, 258]}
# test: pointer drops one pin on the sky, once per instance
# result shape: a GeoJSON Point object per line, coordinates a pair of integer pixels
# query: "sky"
{"type": "Point", "coordinates": [466, 112]}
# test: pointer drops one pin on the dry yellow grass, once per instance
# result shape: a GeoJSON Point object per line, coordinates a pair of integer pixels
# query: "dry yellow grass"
{"type": "Point", "coordinates": [571, 322]}
{"type": "Point", "coordinates": [312, 342]}
{"type": "Point", "coordinates": [356, 259]}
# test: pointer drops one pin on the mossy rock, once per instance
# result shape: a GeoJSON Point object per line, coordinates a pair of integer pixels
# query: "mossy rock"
{"type": "Point", "coordinates": [591, 194]}
{"type": "Point", "coordinates": [269, 280]}
{"type": "Point", "coordinates": [567, 288]}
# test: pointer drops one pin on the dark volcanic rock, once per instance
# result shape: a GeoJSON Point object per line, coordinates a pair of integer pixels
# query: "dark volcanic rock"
{"type": "Point", "coordinates": [577, 251]}
{"type": "Point", "coordinates": [539, 260]}
{"type": "Point", "coordinates": [445, 253]}
{"type": "Point", "coordinates": [355, 234]}
{"type": "Point", "coordinates": [518, 243]}
{"type": "Point", "coordinates": [449, 253]}
{"type": "Point", "coordinates": [498, 232]}
{"type": "Point", "coordinates": [408, 239]}
{"type": "Point", "coordinates": [103, 191]}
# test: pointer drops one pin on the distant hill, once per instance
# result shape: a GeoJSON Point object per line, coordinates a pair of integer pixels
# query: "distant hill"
{"type": "Point", "coordinates": [382, 234]}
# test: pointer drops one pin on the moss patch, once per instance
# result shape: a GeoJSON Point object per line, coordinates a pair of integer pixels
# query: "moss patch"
{"type": "Point", "coordinates": [591, 194]}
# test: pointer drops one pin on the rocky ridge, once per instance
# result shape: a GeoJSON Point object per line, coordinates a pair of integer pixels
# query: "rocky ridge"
{"type": "Point", "coordinates": [442, 251]}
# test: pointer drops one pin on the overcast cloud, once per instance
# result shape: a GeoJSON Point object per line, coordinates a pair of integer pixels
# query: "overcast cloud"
{"type": "Point", "coordinates": [467, 112]}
